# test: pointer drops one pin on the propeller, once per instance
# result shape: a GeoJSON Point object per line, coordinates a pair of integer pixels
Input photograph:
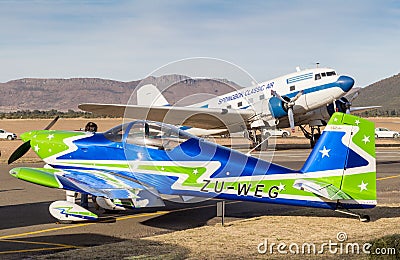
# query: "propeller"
{"type": "Point", "coordinates": [24, 148]}
{"type": "Point", "coordinates": [289, 104]}
{"type": "Point", "coordinates": [52, 123]}
{"type": "Point", "coordinates": [348, 102]}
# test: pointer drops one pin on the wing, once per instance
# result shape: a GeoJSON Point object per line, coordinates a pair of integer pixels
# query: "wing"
{"type": "Point", "coordinates": [97, 183]}
{"type": "Point", "coordinates": [206, 118]}
{"type": "Point", "coordinates": [363, 109]}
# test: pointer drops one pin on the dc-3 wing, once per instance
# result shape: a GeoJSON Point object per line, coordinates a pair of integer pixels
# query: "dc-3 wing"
{"type": "Point", "coordinates": [207, 118]}
{"type": "Point", "coordinates": [363, 109]}
{"type": "Point", "coordinates": [98, 183]}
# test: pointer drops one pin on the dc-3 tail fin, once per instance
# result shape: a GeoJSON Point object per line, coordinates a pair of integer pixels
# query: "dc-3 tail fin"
{"type": "Point", "coordinates": [150, 95]}
{"type": "Point", "coordinates": [342, 164]}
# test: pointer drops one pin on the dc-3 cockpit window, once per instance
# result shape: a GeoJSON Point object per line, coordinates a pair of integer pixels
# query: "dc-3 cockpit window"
{"type": "Point", "coordinates": [156, 135]}
{"type": "Point", "coordinates": [324, 74]}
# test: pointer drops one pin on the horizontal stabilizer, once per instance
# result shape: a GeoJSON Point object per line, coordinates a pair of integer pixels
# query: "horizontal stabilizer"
{"type": "Point", "coordinates": [321, 189]}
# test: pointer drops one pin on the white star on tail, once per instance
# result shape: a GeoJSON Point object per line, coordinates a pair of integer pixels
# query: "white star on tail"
{"type": "Point", "coordinates": [36, 148]}
{"type": "Point", "coordinates": [366, 139]}
{"type": "Point", "coordinates": [195, 171]}
{"type": "Point", "coordinates": [363, 186]}
{"type": "Point", "coordinates": [357, 122]}
{"type": "Point", "coordinates": [325, 152]}
{"type": "Point", "coordinates": [50, 136]}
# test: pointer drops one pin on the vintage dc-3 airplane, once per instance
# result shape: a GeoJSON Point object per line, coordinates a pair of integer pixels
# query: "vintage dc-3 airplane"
{"type": "Point", "coordinates": [134, 164]}
{"type": "Point", "coordinates": [305, 97]}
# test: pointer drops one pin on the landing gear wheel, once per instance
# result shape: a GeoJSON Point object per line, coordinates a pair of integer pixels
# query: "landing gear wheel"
{"type": "Point", "coordinates": [257, 143]}
{"type": "Point", "coordinates": [262, 140]}
{"type": "Point", "coordinates": [364, 218]}
{"type": "Point", "coordinates": [341, 209]}
{"type": "Point", "coordinates": [314, 139]}
{"type": "Point", "coordinates": [313, 136]}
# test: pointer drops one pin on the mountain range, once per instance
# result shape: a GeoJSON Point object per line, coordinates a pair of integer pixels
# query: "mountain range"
{"type": "Point", "coordinates": [66, 94]}
{"type": "Point", "coordinates": [385, 93]}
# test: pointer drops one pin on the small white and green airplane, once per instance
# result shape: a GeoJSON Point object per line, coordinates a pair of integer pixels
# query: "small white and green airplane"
{"type": "Point", "coordinates": [305, 97]}
{"type": "Point", "coordinates": [139, 163]}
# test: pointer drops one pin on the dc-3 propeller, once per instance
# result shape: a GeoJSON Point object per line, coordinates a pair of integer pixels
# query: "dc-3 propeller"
{"type": "Point", "coordinates": [289, 104]}
{"type": "Point", "coordinates": [348, 102]}
{"type": "Point", "coordinates": [24, 148]}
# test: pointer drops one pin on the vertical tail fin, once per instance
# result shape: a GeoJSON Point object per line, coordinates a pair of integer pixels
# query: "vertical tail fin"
{"type": "Point", "coordinates": [344, 157]}
{"type": "Point", "coordinates": [150, 95]}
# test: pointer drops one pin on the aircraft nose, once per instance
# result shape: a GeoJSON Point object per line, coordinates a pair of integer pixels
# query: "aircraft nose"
{"type": "Point", "coordinates": [345, 83]}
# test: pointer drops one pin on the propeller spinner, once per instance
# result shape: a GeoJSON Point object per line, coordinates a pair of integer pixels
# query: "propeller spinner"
{"type": "Point", "coordinates": [289, 104]}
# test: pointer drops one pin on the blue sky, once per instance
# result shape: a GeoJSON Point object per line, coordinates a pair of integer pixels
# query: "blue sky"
{"type": "Point", "coordinates": [127, 40]}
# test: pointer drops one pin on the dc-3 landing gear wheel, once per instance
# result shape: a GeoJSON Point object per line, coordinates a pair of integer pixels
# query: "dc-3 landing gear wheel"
{"type": "Point", "coordinates": [259, 138]}
{"type": "Point", "coordinates": [361, 217]}
{"type": "Point", "coordinates": [313, 136]}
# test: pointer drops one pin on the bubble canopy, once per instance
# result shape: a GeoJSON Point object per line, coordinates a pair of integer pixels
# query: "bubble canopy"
{"type": "Point", "coordinates": [149, 134]}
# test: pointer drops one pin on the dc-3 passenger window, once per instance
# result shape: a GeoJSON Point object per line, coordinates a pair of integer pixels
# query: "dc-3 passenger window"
{"type": "Point", "coordinates": [330, 73]}
{"type": "Point", "coordinates": [317, 76]}
{"type": "Point", "coordinates": [156, 135]}
{"type": "Point", "coordinates": [292, 88]}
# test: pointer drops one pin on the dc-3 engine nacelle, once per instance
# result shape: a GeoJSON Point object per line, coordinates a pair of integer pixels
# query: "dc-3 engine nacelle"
{"type": "Point", "coordinates": [277, 107]}
{"type": "Point", "coordinates": [324, 113]}
{"type": "Point", "coordinates": [342, 105]}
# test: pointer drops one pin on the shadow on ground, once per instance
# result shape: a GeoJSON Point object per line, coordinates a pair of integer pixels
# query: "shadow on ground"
{"type": "Point", "coordinates": [191, 218]}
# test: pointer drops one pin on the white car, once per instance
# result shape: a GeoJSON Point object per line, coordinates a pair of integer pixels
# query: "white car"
{"type": "Point", "coordinates": [7, 135]}
{"type": "Point", "coordinates": [381, 132]}
{"type": "Point", "coordinates": [279, 132]}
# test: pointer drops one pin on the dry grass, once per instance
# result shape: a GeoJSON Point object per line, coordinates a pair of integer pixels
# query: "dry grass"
{"type": "Point", "coordinates": [239, 239]}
